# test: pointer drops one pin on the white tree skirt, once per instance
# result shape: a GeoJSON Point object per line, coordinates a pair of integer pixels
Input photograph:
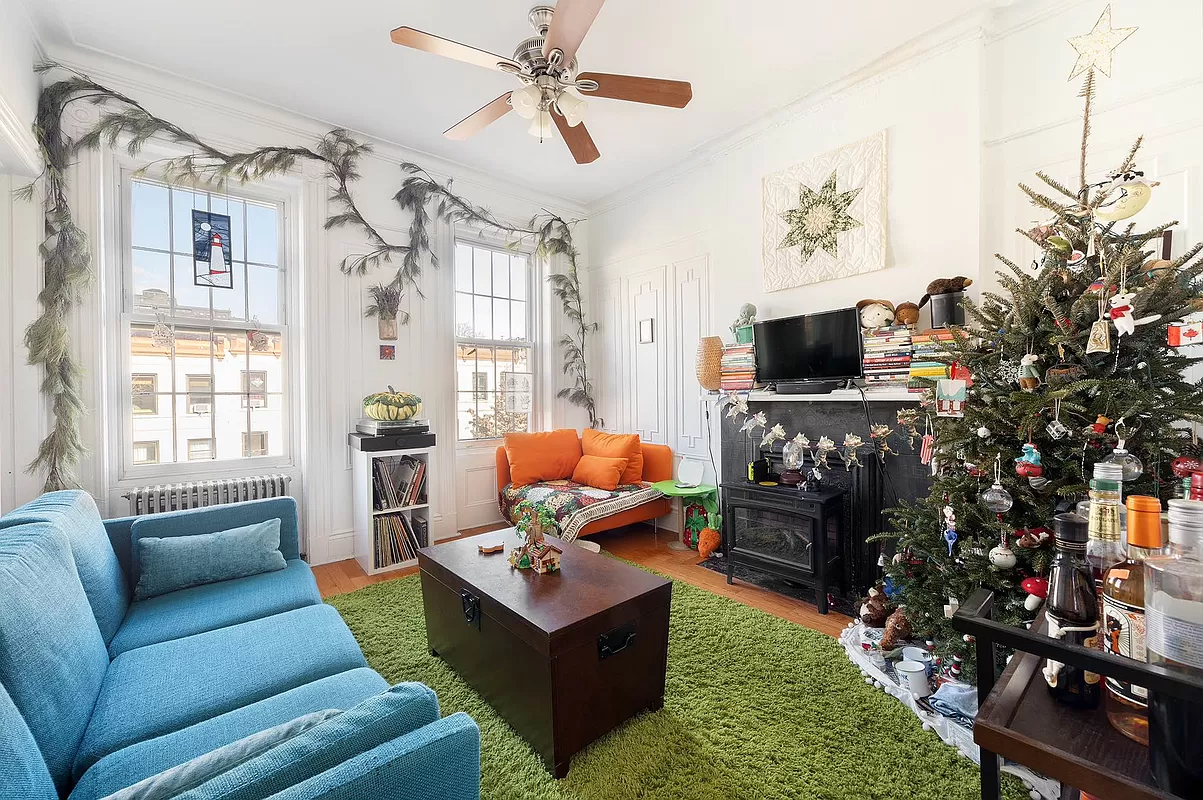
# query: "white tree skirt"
{"type": "Point", "coordinates": [951, 732]}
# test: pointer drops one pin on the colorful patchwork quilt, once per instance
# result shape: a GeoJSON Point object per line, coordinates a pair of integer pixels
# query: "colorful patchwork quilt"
{"type": "Point", "coordinates": [575, 505]}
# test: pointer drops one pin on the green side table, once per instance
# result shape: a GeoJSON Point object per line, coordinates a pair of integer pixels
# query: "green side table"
{"type": "Point", "coordinates": [697, 502]}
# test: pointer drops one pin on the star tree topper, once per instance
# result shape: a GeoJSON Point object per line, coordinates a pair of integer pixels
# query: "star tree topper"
{"type": "Point", "coordinates": [819, 218]}
{"type": "Point", "coordinates": [1095, 48]}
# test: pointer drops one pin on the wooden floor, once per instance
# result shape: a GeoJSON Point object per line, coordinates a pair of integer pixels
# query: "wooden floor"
{"type": "Point", "coordinates": [637, 543]}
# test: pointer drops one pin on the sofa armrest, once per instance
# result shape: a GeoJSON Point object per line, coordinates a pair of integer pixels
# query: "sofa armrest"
{"type": "Point", "coordinates": [503, 469]}
{"type": "Point", "coordinates": [657, 462]}
{"type": "Point", "coordinates": [194, 521]}
{"type": "Point", "coordinates": [440, 761]}
{"type": "Point", "coordinates": [120, 532]}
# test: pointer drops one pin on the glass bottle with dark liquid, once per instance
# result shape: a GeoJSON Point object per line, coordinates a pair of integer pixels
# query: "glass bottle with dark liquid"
{"type": "Point", "coordinates": [1123, 623]}
{"type": "Point", "coordinates": [1072, 612]}
{"type": "Point", "coordinates": [1174, 638]}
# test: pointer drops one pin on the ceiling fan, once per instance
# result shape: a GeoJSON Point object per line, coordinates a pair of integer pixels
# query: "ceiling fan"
{"type": "Point", "coordinates": [551, 84]}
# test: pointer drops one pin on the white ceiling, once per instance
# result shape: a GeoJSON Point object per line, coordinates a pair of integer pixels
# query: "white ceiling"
{"type": "Point", "coordinates": [334, 62]}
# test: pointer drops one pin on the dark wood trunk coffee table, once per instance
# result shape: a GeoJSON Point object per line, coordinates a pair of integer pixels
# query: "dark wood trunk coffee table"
{"type": "Point", "coordinates": [565, 657]}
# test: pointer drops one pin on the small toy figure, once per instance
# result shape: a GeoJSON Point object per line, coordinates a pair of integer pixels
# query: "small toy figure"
{"type": "Point", "coordinates": [737, 404]}
{"type": "Point", "coordinates": [775, 433]}
{"type": "Point", "coordinates": [906, 314]}
{"type": "Point", "coordinates": [822, 450]}
{"type": "Point", "coordinates": [1028, 464]}
{"type": "Point", "coordinates": [1029, 376]}
{"type": "Point", "coordinates": [757, 420]}
{"type": "Point", "coordinates": [1124, 315]}
{"type": "Point", "coordinates": [1100, 425]}
{"type": "Point", "coordinates": [851, 442]}
{"type": "Point", "coordinates": [875, 313]}
{"type": "Point", "coordinates": [950, 527]}
{"type": "Point", "coordinates": [489, 549]}
{"type": "Point", "coordinates": [880, 433]}
{"type": "Point", "coordinates": [945, 286]}
{"type": "Point", "coordinates": [747, 316]}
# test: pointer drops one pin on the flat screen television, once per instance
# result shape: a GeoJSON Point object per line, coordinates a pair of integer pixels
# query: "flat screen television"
{"type": "Point", "coordinates": [809, 347]}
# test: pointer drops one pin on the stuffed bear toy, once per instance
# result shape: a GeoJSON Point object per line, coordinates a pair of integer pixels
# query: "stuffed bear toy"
{"type": "Point", "coordinates": [945, 286]}
{"type": "Point", "coordinates": [875, 313]}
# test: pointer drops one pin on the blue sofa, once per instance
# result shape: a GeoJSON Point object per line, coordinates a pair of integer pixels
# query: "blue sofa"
{"type": "Point", "coordinates": [98, 692]}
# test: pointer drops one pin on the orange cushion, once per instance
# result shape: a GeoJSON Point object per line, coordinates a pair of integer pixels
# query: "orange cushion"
{"type": "Point", "coordinates": [616, 445]}
{"type": "Point", "coordinates": [542, 456]}
{"type": "Point", "coordinates": [599, 472]}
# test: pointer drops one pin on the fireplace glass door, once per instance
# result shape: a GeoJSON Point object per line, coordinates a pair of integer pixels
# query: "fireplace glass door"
{"type": "Point", "coordinates": [778, 535]}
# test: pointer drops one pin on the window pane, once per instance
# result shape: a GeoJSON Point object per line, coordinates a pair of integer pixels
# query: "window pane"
{"type": "Point", "coordinates": [501, 275]}
{"type": "Point", "coordinates": [463, 267]}
{"type": "Point", "coordinates": [267, 357]}
{"type": "Point", "coordinates": [463, 314]}
{"type": "Point", "coordinates": [501, 319]}
{"type": "Point", "coordinates": [182, 203]}
{"type": "Point", "coordinates": [263, 232]}
{"type": "Point", "coordinates": [483, 309]}
{"type": "Point", "coordinates": [270, 420]}
{"type": "Point", "coordinates": [521, 359]}
{"type": "Point", "coordinates": [465, 410]}
{"type": "Point", "coordinates": [465, 367]}
{"type": "Point", "coordinates": [191, 301]}
{"type": "Point", "coordinates": [518, 277]}
{"type": "Point", "coordinates": [229, 361]}
{"type": "Point", "coordinates": [230, 422]}
{"type": "Point", "coordinates": [482, 271]}
{"type": "Point", "coordinates": [231, 303]}
{"type": "Point", "coordinates": [151, 282]}
{"type": "Point", "coordinates": [149, 223]}
{"type": "Point", "coordinates": [265, 294]}
{"type": "Point", "coordinates": [518, 321]}
{"type": "Point", "coordinates": [155, 428]}
{"type": "Point", "coordinates": [192, 356]}
{"type": "Point", "coordinates": [237, 230]}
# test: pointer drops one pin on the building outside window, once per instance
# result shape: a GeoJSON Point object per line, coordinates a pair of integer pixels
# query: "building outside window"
{"type": "Point", "coordinates": [493, 342]}
{"type": "Point", "coordinates": [215, 389]}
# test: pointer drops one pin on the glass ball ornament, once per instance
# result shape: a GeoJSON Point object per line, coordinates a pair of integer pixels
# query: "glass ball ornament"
{"type": "Point", "coordinates": [983, 432]}
{"type": "Point", "coordinates": [997, 499]}
{"type": "Point", "coordinates": [1002, 557]}
{"type": "Point", "coordinates": [1132, 466]}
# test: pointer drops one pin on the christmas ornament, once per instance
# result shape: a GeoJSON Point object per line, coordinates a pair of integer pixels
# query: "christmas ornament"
{"type": "Point", "coordinates": [1124, 315]}
{"type": "Point", "coordinates": [161, 335]}
{"type": "Point", "coordinates": [774, 434]}
{"type": "Point", "coordinates": [1095, 48]}
{"type": "Point", "coordinates": [1183, 466]}
{"type": "Point", "coordinates": [1075, 258]}
{"type": "Point", "coordinates": [950, 526]}
{"type": "Point", "coordinates": [757, 420]}
{"type": "Point", "coordinates": [959, 372]}
{"type": "Point", "coordinates": [983, 432]}
{"type": "Point", "coordinates": [1037, 589]}
{"type": "Point", "coordinates": [898, 630]}
{"type": "Point", "coordinates": [1130, 464]}
{"type": "Point", "coordinates": [1057, 429]}
{"type": "Point", "coordinates": [851, 442]}
{"type": "Point", "coordinates": [736, 405]}
{"type": "Point", "coordinates": [1002, 557]}
{"type": "Point", "coordinates": [1100, 425]}
{"type": "Point", "coordinates": [1039, 483]}
{"type": "Point", "coordinates": [1180, 334]}
{"type": "Point", "coordinates": [1041, 234]}
{"type": "Point", "coordinates": [996, 498]}
{"type": "Point", "coordinates": [1029, 538]}
{"type": "Point", "coordinates": [1028, 464]}
{"type": "Point", "coordinates": [260, 342]}
{"type": "Point", "coordinates": [1059, 245]}
{"type": "Point", "coordinates": [1029, 376]}
{"type": "Point", "coordinates": [1100, 337]}
{"type": "Point", "coordinates": [950, 398]}
{"type": "Point", "coordinates": [908, 418]}
{"type": "Point", "coordinates": [927, 451]}
{"type": "Point", "coordinates": [1157, 267]}
{"type": "Point", "coordinates": [1132, 193]}
{"type": "Point", "coordinates": [1063, 374]}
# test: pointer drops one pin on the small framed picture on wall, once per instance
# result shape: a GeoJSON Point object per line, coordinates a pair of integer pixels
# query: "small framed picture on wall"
{"type": "Point", "coordinates": [647, 331]}
{"type": "Point", "coordinates": [388, 352]}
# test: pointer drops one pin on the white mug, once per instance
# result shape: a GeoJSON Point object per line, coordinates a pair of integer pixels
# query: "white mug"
{"type": "Point", "coordinates": [912, 676]}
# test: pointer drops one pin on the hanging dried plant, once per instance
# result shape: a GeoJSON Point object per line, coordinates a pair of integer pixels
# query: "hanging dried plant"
{"type": "Point", "coordinates": [386, 303]}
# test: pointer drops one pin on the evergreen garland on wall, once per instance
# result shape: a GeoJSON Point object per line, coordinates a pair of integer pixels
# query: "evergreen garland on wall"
{"type": "Point", "coordinates": [67, 258]}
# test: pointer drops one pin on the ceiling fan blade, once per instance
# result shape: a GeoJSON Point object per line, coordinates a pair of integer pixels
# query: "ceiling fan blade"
{"type": "Point", "coordinates": [579, 142]}
{"type": "Point", "coordinates": [420, 40]}
{"type": "Point", "coordinates": [655, 91]}
{"type": "Point", "coordinates": [479, 119]}
{"type": "Point", "coordinates": [569, 24]}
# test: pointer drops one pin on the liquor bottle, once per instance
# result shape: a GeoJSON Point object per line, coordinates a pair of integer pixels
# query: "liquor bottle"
{"type": "Point", "coordinates": [1174, 638]}
{"type": "Point", "coordinates": [1106, 548]}
{"type": "Point", "coordinates": [1072, 612]}
{"type": "Point", "coordinates": [1124, 616]}
{"type": "Point", "coordinates": [1186, 529]}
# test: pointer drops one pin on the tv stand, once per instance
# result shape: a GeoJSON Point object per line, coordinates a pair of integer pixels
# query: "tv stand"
{"type": "Point", "coordinates": [807, 387]}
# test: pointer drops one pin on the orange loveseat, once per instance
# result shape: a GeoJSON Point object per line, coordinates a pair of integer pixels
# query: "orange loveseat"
{"type": "Point", "coordinates": [657, 466]}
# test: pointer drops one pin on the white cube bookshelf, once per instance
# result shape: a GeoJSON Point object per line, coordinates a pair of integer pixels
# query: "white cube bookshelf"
{"type": "Point", "coordinates": [389, 529]}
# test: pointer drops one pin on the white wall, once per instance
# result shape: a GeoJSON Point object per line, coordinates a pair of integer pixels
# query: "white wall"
{"type": "Point", "coordinates": [969, 111]}
{"type": "Point", "coordinates": [337, 352]}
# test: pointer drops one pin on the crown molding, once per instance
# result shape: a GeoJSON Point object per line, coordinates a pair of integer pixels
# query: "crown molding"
{"type": "Point", "coordinates": [143, 81]}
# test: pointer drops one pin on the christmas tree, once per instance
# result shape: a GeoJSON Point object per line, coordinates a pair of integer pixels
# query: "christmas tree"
{"type": "Point", "coordinates": [1065, 365]}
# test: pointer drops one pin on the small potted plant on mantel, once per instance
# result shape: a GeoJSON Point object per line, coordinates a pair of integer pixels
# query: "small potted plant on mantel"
{"type": "Point", "coordinates": [386, 307]}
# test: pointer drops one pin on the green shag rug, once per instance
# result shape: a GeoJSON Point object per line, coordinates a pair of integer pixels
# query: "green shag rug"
{"type": "Point", "coordinates": [756, 707]}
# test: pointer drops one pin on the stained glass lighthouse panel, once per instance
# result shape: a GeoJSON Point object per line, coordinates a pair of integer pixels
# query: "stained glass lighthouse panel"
{"type": "Point", "coordinates": [211, 250]}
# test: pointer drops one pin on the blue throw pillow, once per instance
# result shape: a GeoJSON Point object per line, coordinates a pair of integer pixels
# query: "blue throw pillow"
{"type": "Point", "coordinates": [178, 562]}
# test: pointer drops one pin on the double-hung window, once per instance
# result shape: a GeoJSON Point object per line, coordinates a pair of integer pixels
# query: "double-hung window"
{"type": "Point", "coordinates": [494, 360]}
{"type": "Point", "coordinates": [206, 366]}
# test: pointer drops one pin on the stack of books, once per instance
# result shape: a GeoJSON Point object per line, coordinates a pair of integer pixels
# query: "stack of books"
{"type": "Point", "coordinates": [738, 368]}
{"type": "Point", "coordinates": [887, 357]}
{"type": "Point", "coordinates": [398, 484]}
{"type": "Point", "coordinates": [925, 359]}
{"type": "Point", "coordinates": [398, 538]}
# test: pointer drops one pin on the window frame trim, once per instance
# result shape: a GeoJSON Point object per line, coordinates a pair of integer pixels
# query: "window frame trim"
{"type": "Point", "coordinates": [473, 236]}
{"type": "Point", "coordinates": [286, 194]}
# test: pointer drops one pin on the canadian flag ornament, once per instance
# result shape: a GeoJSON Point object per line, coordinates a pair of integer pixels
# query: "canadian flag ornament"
{"type": "Point", "coordinates": [1181, 334]}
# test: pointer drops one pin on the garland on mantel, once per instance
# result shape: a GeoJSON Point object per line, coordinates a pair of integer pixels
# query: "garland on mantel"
{"type": "Point", "coordinates": [67, 260]}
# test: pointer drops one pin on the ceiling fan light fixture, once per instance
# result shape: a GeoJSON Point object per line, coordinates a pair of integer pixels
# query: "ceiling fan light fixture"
{"type": "Point", "coordinates": [525, 101]}
{"type": "Point", "coordinates": [541, 125]}
{"type": "Point", "coordinates": [572, 107]}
